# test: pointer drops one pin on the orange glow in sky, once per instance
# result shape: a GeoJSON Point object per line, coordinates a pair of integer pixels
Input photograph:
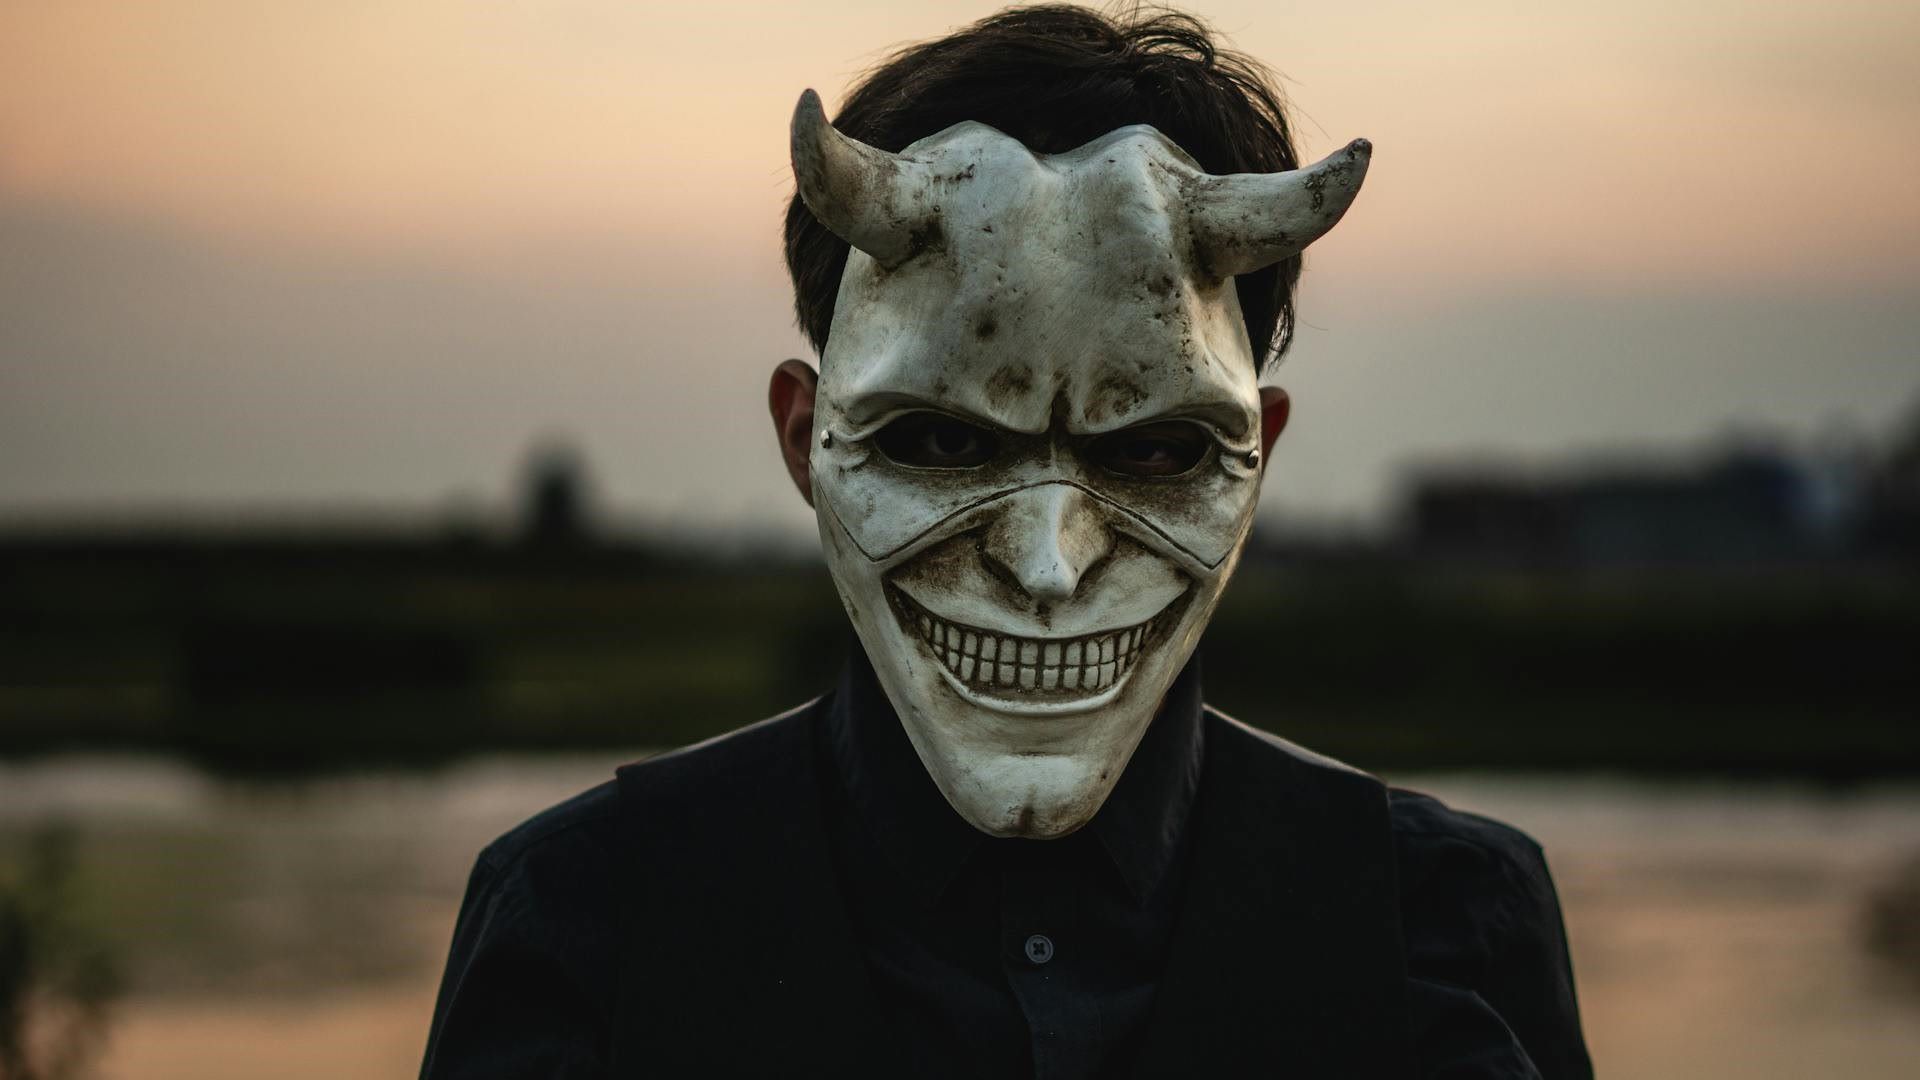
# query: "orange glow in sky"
{"type": "Point", "coordinates": [1699, 140]}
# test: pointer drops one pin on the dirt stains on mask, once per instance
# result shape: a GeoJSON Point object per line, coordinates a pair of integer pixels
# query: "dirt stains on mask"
{"type": "Point", "coordinates": [1044, 421]}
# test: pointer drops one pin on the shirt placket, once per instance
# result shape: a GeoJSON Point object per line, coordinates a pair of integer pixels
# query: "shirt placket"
{"type": "Point", "coordinates": [1039, 932]}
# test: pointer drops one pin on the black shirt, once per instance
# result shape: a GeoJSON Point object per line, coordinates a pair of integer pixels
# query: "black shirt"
{"type": "Point", "coordinates": [536, 983]}
{"type": "Point", "coordinates": [1008, 957]}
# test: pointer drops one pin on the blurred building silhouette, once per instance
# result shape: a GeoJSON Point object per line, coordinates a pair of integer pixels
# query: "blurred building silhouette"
{"type": "Point", "coordinates": [1749, 506]}
{"type": "Point", "coordinates": [1753, 504]}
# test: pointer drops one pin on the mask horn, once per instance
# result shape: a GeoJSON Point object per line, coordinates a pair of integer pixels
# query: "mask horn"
{"type": "Point", "coordinates": [1247, 221]}
{"type": "Point", "coordinates": [876, 201]}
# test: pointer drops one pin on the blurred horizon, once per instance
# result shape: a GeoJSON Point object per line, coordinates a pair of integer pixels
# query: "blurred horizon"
{"type": "Point", "coordinates": [387, 247]}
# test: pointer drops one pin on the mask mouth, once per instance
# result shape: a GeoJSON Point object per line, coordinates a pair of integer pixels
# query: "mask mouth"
{"type": "Point", "coordinates": [1015, 674]}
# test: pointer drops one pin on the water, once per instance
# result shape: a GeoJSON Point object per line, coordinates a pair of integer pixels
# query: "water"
{"type": "Point", "coordinates": [297, 929]}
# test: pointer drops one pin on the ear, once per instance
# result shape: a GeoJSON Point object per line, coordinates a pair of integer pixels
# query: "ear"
{"type": "Point", "coordinates": [790, 399]}
{"type": "Point", "coordinates": [1275, 407]}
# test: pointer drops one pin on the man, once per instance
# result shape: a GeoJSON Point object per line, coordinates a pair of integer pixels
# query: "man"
{"type": "Point", "coordinates": [1043, 259]}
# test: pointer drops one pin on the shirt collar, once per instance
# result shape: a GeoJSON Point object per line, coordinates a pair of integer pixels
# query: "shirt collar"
{"type": "Point", "coordinates": [1139, 828]}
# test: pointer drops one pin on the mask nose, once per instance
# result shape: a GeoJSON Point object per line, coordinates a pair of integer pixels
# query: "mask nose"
{"type": "Point", "coordinates": [1047, 538]}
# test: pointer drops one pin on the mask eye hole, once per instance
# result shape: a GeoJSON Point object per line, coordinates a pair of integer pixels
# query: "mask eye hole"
{"type": "Point", "coordinates": [1166, 448]}
{"type": "Point", "coordinates": [930, 440]}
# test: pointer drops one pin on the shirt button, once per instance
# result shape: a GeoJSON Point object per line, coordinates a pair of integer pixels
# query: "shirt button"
{"type": "Point", "coordinates": [1039, 948]}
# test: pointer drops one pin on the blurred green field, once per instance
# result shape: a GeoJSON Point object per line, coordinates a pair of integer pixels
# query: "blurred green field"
{"type": "Point", "coordinates": [301, 654]}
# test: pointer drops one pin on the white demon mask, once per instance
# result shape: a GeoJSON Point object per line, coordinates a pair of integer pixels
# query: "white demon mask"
{"type": "Point", "coordinates": [1037, 432]}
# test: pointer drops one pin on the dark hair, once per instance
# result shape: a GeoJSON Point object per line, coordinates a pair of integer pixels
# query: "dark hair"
{"type": "Point", "coordinates": [1057, 76]}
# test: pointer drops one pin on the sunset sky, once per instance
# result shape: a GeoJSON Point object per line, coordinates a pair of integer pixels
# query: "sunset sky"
{"type": "Point", "coordinates": [266, 257]}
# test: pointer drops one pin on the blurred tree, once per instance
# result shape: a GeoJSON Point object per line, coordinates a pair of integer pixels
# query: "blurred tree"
{"type": "Point", "coordinates": [556, 510]}
{"type": "Point", "coordinates": [56, 979]}
{"type": "Point", "coordinates": [1893, 523]}
{"type": "Point", "coordinates": [1892, 924]}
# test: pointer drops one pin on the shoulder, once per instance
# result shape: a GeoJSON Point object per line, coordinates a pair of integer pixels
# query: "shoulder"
{"type": "Point", "coordinates": [736, 762]}
{"type": "Point", "coordinates": [570, 866]}
{"type": "Point", "coordinates": [1244, 737]}
{"type": "Point", "coordinates": [1472, 888]}
{"type": "Point", "coordinates": [1244, 745]}
{"type": "Point", "coordinates": [1482, 924]}
{"type": "Point", "coordinates": [1424, 824]}
{"type": "Point", "coordinates": [1424, 828]}
{"type": "Point", "coordinates": [544, 889]}
{"type": "Point", "coordinates": [536, 958]}
{"type": "Point", "coordinates": [562, 839]}
{"type": "Point", "coordinates": [1440, 850]}
{"type": "Point", "coordinates": [554, 885]}
{"type": "Point", "coordinates": [584, 820]}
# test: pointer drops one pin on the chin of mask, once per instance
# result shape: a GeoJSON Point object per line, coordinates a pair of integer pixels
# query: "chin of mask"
{"type": "Point", "coordinates": [1037, 436]}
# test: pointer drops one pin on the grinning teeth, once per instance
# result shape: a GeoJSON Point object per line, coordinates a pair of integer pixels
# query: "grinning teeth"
{"type": "Point", "coordinates": [1079, 666]}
